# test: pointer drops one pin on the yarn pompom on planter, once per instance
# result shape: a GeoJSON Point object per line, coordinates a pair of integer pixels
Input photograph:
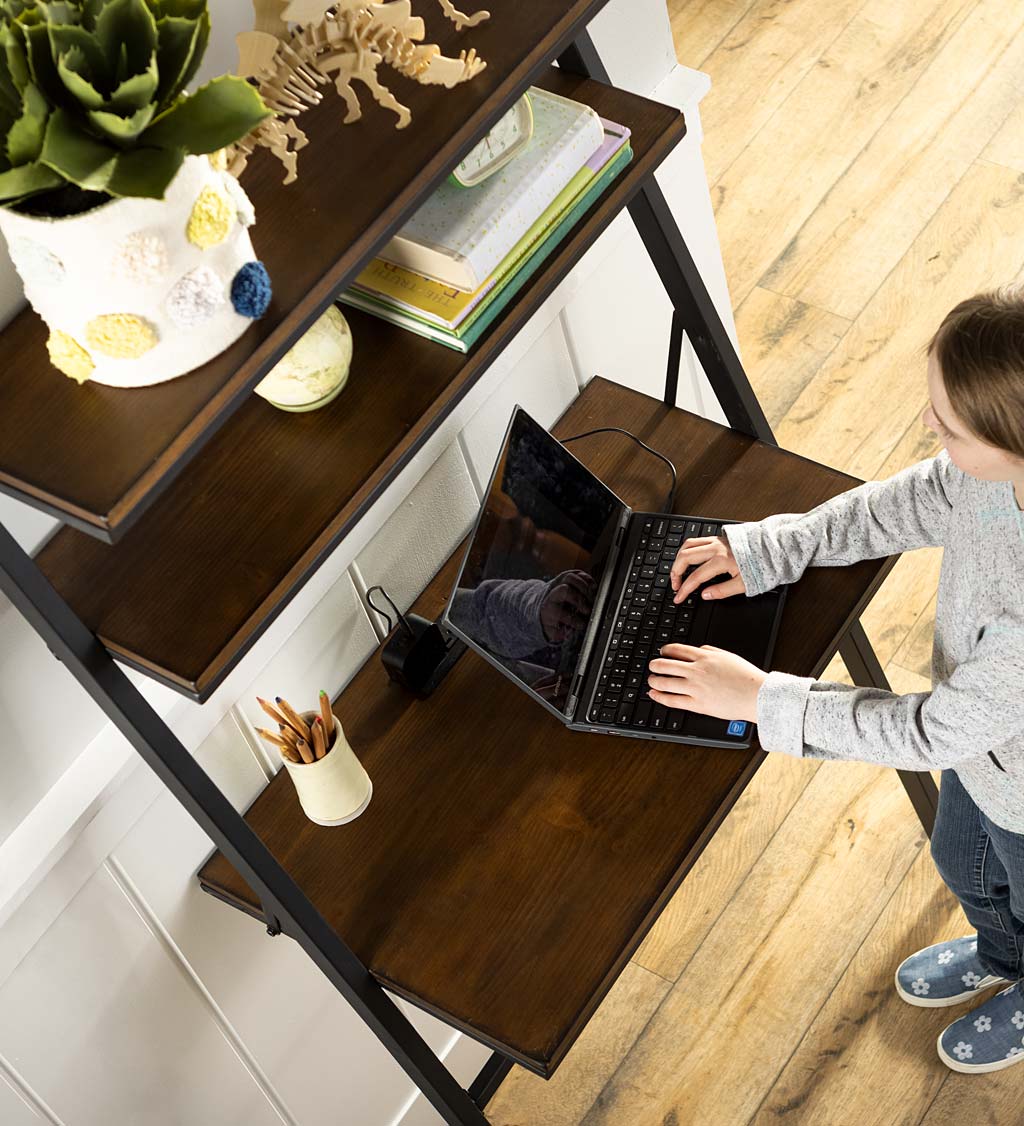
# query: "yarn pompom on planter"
{"type": "Point", "coordinates": [122, 336]}
{"type": "Point", "coordinates": [140, 259]}
{"type": "Point", "coordinates": [68, 356]}
{"type": "Point", "coordinates": [196, 297]}
{"type": "Point", "coordinates": [212, 217]}
{"type": "Point", "coordinates": [36, 264]}
{"type": "Point", "coordinates": [250, 290]}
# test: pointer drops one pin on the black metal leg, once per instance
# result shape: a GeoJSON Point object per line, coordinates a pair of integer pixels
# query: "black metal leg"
{"type": "Point", "coordinates": [489, 1079]}
{"type": "Point", "coordinates": [286, 905]}
{"type": "Point", "coordinates": [682, 281]}
{"type": "Point", "coordinates": [675, 355]}
{"type": "Point", "coordinates": [865, 670]}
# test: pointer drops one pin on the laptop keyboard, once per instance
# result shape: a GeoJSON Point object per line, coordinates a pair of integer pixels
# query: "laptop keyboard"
{"type": "Point", "coordinates": [647, 619]}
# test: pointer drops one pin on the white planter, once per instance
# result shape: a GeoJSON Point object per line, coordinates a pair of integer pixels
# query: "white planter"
{"type": "Point", "coordinates": [138, 291]}
{"type": "Point", "coordinates": [335, 789]}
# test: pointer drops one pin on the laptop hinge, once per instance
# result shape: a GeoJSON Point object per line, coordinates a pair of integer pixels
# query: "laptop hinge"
{"type": "Point", "coordinates": [596, 614]}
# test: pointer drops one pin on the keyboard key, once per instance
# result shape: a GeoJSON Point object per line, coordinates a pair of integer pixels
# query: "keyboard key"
{"type": "Point", "coordinates": [639, 600]}
{"type": "Point", "coordinates": [659, 714]}
{"type": "Point", "coordinates": [663, 637]}
{"type": "Point", "coordinates": [652, 557]}
{"type": "Point", "coordinates": [664, 567]}
{"type": "Point", "coordinates": [675, 540]}
{"type": "Point", "coordinates": [635, 679]}
{"type": "Point", "coordinates": [692, 528]}
{"type": "Point", "coordinates": [659, 527]}
{"type": "Point", "coordinates": [614, 685]}
{"type": "Point", "coordinates": [646, 637]}
{"type": "Point", "coordinates": [629, 695]}
{"type": "Point", "coordinates": [643, 587]}
{"type": "Point", "coordinates": [674, 722]}
{"type": "Point", "coordinates": [642, 714]}
{"type": "Point", "coordinates": [624, 714]}
{"type": "Point", "coordinates": [656, 545]}
{"type": "Point", "coordinates": [606, 715]}
{"type": "Point", "coordinates": [676, 526]}
{"type": "Point", "coordinates": [710, 530]}
{"type": "Point", "coordinates": [648, 572]}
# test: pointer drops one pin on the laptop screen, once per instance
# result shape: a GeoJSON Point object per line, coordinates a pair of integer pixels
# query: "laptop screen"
{"type": "Point", "coordinates": [535, 561]}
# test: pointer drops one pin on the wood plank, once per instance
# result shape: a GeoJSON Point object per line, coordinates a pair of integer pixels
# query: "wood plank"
{"type": "Point", "coordinates": [731, 1021]}
{"type": "Point", "coordinates": [725, 864]}
{"type": "Point", "coordinates": [1007, 146]}
{"type": "Point", "coordinates": [888, 193]}
{"type": "Point", "coordinates": [527, 1100]}
{"type": "Point", "coordinates": [511, 915]}
{"type": "Point", "coordinates": [880, 360]}
{"type": "Point", "coordinates": [783, 343]}
{"type": "Point", "coordinates": [247, 522]}
{"type": "Point", "coordinates": [754, 70]}
{"type": "Point", "coordinates": [865, 1029]}
{"type": "Point", "coordinates": [698, 26]}
{"type": "Point", "coordinates": [834, 108]}
{"type": "Point", "coordinates": [100, 453]}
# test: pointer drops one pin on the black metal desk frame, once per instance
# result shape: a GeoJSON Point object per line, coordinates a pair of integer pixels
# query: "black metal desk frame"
{"type": "Point", "coordinates": [286, 908]}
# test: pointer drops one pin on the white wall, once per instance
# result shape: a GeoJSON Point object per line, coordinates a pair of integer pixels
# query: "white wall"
{"type": "Point", "coordinates": [128, 996]}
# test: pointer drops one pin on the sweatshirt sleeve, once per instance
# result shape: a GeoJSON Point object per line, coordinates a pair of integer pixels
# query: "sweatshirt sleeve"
{"type": "Point", "coordinates": [878, 518]}
{"type": "Point", "coordinates": [979, 708]}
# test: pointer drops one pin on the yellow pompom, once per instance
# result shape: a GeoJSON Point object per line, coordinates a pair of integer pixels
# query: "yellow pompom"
{"type": "Point", "coordinates": [68, 356]}
{"type": "Point", "coordinates": [121, 336]}
{"type": "Point", "coordinates": [211, 219]}
{"type": "Point", "coordinates": [219, 160]}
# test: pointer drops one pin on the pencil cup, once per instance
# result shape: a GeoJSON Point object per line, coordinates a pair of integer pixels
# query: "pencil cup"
{"type": "Point", "coordinates": [335, 789]}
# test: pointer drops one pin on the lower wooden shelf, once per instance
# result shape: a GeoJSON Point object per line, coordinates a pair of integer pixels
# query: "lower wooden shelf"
{"type": "Point", "coordinates": [506, 868]}
{"type": "Point", "coordinates": [201, 575]}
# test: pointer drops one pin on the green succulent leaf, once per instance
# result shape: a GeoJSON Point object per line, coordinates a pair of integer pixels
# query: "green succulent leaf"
{"type": "Point", "coordinates": [70, 67]}
{"type": "Point", "coordinates": [180, 46]}
{"type": "Point", "coordinates": [145, 173]}
{"type": "Point", "coordinates": [19, 183]}
{"type": "Point", "coordinates": [70, 42]}
{"type": "Point", "coordinates": [137, 92]}
{"type": "Point", "coordinates": [216, 115]}
{"type": "Point", "coordinates": [121, 130]}
{"type": "Point", "coordinates": [126, 31]}
{"type": "Point", "coordinates": [76, 155]}
{"type": "Point", "coordinates": [25, 137]}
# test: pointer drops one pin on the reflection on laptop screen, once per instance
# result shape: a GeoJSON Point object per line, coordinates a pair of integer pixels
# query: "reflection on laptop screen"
{"type": "Point", "coordinates": [532, 571]}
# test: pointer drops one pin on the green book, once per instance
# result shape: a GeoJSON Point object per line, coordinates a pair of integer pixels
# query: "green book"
{"type": "Point", "coordinates": [499, 297]}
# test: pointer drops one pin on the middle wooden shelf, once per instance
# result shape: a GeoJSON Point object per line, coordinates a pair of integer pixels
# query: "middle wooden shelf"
{"type": "Point", "coordinates": [202, 574]}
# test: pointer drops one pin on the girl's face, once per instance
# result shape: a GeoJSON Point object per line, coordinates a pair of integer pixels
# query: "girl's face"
{"type": "Point", "coordinates": [966, 451]}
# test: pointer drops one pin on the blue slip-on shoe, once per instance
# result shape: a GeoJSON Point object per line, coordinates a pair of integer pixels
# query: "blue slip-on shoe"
{"type": "Point", "coordinates": [989, 1038]}
{"type": "Point", "coordinates": [944, 974]}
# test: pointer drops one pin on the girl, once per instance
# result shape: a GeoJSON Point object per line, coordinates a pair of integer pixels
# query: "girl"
{"type": "Point", "coordinates": [968, 499]}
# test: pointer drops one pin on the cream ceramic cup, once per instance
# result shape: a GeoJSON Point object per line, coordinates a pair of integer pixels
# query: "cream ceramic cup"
{"type": "Point", "coordinates": [335, 789]}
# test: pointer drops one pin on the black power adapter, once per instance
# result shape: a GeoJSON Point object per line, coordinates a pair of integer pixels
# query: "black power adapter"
{"type": "Point", "coordinates": [418, 653]}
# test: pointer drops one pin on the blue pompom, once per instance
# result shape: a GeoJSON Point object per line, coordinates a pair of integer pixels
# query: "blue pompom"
{"type": "Point", "coordinates": [250, 290]}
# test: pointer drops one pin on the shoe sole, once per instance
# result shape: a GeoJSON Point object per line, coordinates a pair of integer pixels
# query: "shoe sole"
{"type": "Point", "coordinates": [973, 1069]}
{"type": "Point", "coordinates": [943, 1002]}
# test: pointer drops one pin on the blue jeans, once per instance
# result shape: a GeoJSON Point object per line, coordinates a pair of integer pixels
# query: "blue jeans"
{"type": "Point", "coordinates": [983, 866]}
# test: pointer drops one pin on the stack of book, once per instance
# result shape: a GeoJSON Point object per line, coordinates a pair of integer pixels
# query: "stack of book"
{"type": "Point", "coordinates": [467, 251]}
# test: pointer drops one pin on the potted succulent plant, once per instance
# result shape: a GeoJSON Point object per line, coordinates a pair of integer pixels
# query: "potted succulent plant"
{"type": "Point", "coordinates": [129, 235]}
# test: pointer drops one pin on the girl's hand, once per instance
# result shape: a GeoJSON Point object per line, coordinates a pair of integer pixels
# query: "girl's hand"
{"type": "Point", "coordinates": [707, 680]}
{"type": "Point", "coordinates": [709, 556]}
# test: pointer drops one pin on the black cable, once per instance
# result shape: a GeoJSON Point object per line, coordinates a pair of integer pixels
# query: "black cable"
{"type": "Point", "coordinates": [398, 613]}
{"type": "Point", "coordinates": [618, 430]}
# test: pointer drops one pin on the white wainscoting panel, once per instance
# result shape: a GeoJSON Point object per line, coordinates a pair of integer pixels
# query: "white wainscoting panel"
{"type": "Point", "coordinates": [543, 383]}
{"type": "Point", "coordinates": [99, 1020]}
{"type": "Point", "coordinates": [422, 532]}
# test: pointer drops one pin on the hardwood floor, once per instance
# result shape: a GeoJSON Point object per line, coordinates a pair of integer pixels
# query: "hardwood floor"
{"type": "Point", "coordinates": [877, 149]}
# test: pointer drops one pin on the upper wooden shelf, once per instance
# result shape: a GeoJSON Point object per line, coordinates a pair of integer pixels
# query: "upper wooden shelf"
{"type": "Point", "coordinates": [506, 868]}
{"type": "Point", "coordinates": [192, 585]}
{"type": "Point", "coordinates": [97, 456]}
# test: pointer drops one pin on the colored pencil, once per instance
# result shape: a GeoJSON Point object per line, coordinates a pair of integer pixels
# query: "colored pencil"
{"type": "Point", "coordinates": [326, 713]}
{"type": "Point", "coordinates": [289, 734]}
{"type": "Point", "coordinates": [290, 755]}
{"type": "Point", "coordinates": [271, 711]}
{"type": "Point", "coordinates": [293, 717]}
{"type": "Point", "coordinates": [270, 737]}
{"type": "Point", "coordinates": [306, 751]}
{"type": "Point", "coordinates": [319, 746]}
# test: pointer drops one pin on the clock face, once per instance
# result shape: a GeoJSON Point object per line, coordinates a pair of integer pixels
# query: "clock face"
{"type": "Point", "coordinates": [505, 140]}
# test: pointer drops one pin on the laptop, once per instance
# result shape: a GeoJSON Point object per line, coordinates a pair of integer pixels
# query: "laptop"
{"type": "Point", "coordinates": [565, 589]}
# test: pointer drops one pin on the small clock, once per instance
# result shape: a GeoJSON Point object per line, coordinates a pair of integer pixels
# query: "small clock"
{"type": "Point", "coordinates": [507, 139]}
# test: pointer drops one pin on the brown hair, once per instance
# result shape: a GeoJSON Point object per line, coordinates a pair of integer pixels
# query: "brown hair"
{"type": "Point", "coordinates": [980, 351]}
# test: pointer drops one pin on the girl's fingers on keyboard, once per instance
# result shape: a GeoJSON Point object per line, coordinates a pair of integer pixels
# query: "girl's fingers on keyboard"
{"type": "Point", "coordinates": [725, 589]}
{"type": "Point", "coordinates": [702, 574]}
{"type": "Point", "coordinates": [692, 551]}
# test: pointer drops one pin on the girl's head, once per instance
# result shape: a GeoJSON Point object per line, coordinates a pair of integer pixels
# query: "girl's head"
{"type": "Point", "coordinates": [976, 385]}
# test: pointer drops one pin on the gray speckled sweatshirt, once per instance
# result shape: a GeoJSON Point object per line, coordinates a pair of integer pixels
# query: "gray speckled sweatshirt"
{"type": "Point", "coordinates": [973, 718]}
